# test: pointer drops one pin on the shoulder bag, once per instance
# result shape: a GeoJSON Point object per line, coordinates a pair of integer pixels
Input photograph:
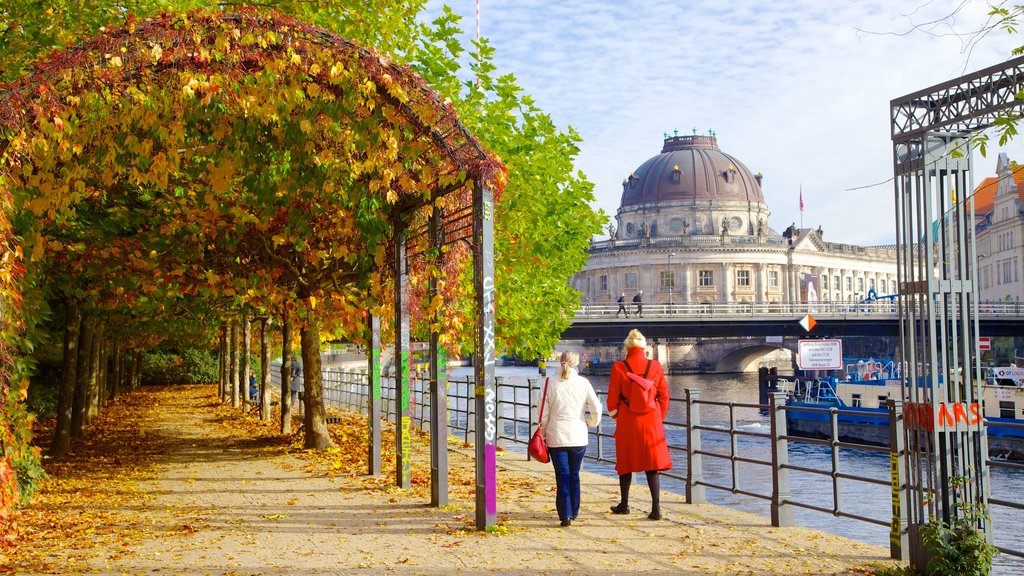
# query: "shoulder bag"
{"type": "Point", "coordinates": [538, 448]}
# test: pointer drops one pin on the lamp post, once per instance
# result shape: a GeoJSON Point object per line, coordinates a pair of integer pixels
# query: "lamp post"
{"type": "Point", "coordinates": [671, 282]}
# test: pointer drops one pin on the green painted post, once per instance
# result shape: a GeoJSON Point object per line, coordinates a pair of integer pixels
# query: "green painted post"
{"type": "Point", "coordinates": [403, 421]}
{"type": "Point", "coordinates": [373, 398]}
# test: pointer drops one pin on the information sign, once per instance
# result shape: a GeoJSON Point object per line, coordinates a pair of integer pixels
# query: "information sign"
{"type": "Point", "coordinates": [820, 354]}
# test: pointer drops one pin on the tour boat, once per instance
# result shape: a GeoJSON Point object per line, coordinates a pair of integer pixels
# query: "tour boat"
{"type": "Point", "coordinates": [864, 386]}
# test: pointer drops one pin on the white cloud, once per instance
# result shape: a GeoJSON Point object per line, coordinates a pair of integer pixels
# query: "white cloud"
{"type": "Point", "coordinates": [797, 90]}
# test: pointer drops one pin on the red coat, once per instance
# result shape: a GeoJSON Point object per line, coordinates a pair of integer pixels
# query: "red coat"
{"type": "Point", "coordinates": [640, 443]}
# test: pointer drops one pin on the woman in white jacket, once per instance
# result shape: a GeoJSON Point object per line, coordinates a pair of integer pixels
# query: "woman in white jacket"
{"type": "Point", "coordinates": [565, 430]}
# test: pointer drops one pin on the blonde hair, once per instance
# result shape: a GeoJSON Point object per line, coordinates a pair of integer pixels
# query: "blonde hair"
{"type": "Point", "coordinates": [570, 359]}
{"type": "Point", "coordinates": [635, 339]}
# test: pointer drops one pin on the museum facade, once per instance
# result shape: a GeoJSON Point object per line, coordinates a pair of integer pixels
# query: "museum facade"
{"type": "Point", "coordinates": [692, 227]}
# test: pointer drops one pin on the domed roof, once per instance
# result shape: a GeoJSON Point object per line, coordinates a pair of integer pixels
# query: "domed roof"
{"type": "Point", "coordinates": [691, 168]}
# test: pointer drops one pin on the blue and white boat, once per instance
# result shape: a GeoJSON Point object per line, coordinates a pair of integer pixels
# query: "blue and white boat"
{"type": "Point", "coordinates": [863, 388]}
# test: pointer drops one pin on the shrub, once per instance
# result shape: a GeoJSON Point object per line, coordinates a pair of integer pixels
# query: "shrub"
{"type": "Point", "coordinates": [188, 366]}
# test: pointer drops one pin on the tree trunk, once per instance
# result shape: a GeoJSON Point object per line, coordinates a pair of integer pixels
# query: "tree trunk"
{"type": "Point", "coordinates": [85, 338]}
{"type": "Point", "coordinates": [286, 374]}
{"type": "Point", "coordinates": [133, 370]}
{"type": "Point", "coordinates": [137, 369]}
{"type": "Point", "coordinates": [233, 365]}
{"type": "Point", "coordinates": [265, 369]}
{"type": "Point", "coordinates": [66, 396]}
{"type": "Point", "coordinates": [96, 373]}
{"type": "Point", "coordinates": [115, 384]}
{"type": "Point", "coordinates": [246, 363]}
{"type": "Point", "coordinates": [316, 435]}
{"type": "Point", "coordinates": [222, 385]}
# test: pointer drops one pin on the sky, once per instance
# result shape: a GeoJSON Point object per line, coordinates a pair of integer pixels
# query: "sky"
{"type": "Point", "coordinates": [798, 90]}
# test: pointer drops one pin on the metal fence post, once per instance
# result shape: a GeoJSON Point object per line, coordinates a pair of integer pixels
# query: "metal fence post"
{"type": "Point", "coordinates": [694, 459]}
{"type": "Point", "coordinates": [899, 541]}
{"type": "Point", "coordinates": [782, 511]}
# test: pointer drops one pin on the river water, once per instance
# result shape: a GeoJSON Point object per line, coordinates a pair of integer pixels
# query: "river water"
{"type": "Point", "coordinates": [860, 498]}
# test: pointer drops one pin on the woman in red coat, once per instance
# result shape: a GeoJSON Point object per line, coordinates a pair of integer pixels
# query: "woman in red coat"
{"type": "Point", "coordinates": [640, 444]}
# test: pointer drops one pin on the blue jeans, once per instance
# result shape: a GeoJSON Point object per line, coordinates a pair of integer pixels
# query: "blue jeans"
{"type": "Point", "coordinates": [567, 462]}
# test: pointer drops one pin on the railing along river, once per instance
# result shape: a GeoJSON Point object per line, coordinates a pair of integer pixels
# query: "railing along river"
{"type": "Point", "coordinates": [721, 451]}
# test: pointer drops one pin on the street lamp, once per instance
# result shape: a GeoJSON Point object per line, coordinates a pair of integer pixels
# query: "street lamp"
{"type": "Point", "coordinates": [671, 280]}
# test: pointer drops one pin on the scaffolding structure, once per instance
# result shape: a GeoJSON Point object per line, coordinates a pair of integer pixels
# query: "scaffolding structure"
{"type": "Point", "coordinates": [933, 131]}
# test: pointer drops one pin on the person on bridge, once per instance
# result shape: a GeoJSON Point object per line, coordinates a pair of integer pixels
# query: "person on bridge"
{"type": "Point", "coordinates": [640, 444]}
{"type": "Point", "coordinates": [639, 301]}
{"type": "Point", "coordinates": [565, 430]}
{"type": "Point", "coordinates": [622, 305]}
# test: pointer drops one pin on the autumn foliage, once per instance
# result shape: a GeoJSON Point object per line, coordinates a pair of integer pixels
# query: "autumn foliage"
{"type": "Point", "coordinates": [186, 165]}
{"type": "Point", "coordinates": [170, 172]}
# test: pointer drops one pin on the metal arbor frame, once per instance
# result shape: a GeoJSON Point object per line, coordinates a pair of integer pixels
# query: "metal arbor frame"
{"type": "Point", "coordinates": [459, 162]}
{"type": "Point", "coordinates": [946, 446]}
{"type": "Point", "coordinates": [474, 225]}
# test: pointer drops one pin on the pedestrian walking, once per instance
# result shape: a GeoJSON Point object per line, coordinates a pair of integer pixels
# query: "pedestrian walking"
{"type": "Point", "coordinates": [622, 305]}
{"type": "Point", "coordinates": [638, 299]}
{"type": "Point", "coordinates": [563, 425]}
{"type": "Point", "coordinates": [640, 444]}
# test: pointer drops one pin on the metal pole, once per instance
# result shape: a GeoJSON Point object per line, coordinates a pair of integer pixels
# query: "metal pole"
{"type": "Point", "coordinates": [782, 511]}
{"type": "Point", "coordinates": [438, 387]}
{"type": "Point", "coordinates": [695, 461]}
{"type": "Point", "coordinates": [483, 366]}
{"type": "Point", "coordinates": [403, 423]}
{"type": "Point", "coordinates": [373, 400]}
{"type": "Point", "coordinates": [898, 536]}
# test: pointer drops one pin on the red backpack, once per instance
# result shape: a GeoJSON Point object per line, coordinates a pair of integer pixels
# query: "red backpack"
{"type": "Point", "coordinates": [643, 394]}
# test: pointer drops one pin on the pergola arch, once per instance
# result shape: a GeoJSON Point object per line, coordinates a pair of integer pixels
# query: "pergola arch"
{"type": "Point", "coordinates": [244, 147]}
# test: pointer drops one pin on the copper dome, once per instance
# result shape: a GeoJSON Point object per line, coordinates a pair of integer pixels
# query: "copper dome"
{"type": "Point", "coordinates": [691, 168]}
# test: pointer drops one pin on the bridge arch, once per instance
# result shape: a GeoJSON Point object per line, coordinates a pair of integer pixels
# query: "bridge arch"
{"type": "Point", "coordinates": [747, 358]}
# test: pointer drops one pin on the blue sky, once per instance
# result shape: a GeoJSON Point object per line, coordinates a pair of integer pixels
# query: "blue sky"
{"type": "Point", "coordinates": [798, 90]}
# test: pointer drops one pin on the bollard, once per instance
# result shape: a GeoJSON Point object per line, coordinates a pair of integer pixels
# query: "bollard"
{"type": "Point", "coordinates": [694, 459]}
{"type": "Point", "coordinates": [782, 511]}
{"type": "Point", "coordinates": [899, 539]}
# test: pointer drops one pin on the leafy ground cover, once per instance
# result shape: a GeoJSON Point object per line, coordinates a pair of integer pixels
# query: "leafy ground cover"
{"type": "Point", "coordinates": [171, 481]}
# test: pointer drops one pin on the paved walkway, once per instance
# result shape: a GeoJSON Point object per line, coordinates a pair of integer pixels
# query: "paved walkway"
{"type": "Point", "coordinates": [218, 502]}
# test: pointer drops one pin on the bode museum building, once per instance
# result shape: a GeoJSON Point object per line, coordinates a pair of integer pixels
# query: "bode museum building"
{"type": "Point", "coordinates": [692, 227]}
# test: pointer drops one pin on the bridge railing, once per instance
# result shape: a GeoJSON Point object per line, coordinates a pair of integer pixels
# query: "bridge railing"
{"type": "Point", "coordinates": [825, 310]}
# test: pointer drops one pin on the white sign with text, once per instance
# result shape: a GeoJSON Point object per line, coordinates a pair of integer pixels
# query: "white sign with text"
{"type": "Point", "coordinates": [819, 354]}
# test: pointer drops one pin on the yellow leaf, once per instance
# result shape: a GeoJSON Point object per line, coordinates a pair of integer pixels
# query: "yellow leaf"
{"type": "Point", "coordinates": [312, 302]}
{"type": "Point", "coordinates": [23, 389]}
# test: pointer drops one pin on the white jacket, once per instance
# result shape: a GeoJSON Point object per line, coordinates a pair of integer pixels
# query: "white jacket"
{"type": "Point", "coordinates": [562, 424]}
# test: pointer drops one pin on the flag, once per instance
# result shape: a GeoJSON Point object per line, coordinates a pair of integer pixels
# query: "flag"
{"type": "Point", "coordinates": [801, 199]}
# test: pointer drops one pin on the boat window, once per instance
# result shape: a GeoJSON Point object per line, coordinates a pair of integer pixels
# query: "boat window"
{"type": "Point", "coordinates": [855, 401]}
{"type": "Point", "coordinates": [1007, 409]}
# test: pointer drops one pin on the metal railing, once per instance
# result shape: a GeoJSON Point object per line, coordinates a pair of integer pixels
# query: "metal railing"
{"type": "Point", "coordinates": [689, 441]}
{"type": "Point", "coordinates": [995, 500]}
{"type": "Point", "coordinates": [880, 309]}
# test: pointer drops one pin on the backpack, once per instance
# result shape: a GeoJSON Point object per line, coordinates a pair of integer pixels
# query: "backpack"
{"type": "Point", "coordinates": [643, 394]}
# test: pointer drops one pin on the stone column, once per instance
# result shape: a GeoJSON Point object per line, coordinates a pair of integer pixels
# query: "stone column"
{"type": "Point", "coordinates": [727, 282]}
{"type": "Point", "coordinates": [686, 288]}
{"type": "Point", "coordinates": [759, 283]}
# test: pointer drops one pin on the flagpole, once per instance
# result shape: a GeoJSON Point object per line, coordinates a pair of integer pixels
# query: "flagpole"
{"type": "Point", "coordinates": [801, 206]}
